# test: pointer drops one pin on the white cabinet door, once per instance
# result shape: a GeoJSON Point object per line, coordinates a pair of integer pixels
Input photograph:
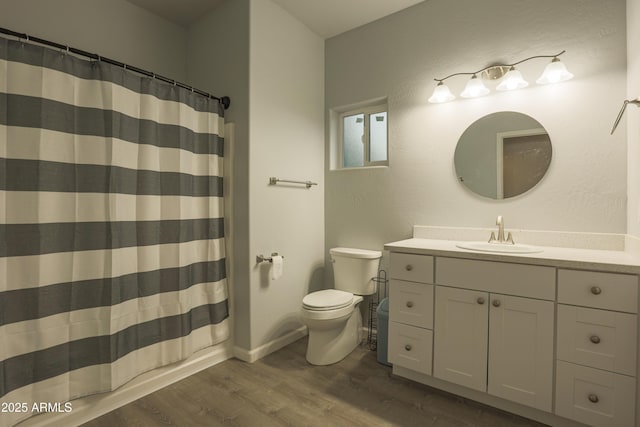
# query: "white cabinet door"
{"type": "Point", "coordinates": [521, 350]}
{"type": "Point", "coordinates": [460, 337]}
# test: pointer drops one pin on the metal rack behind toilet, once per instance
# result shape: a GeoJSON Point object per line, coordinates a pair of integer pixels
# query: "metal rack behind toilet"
{"type": "Point", "coordinates": [381, 293]}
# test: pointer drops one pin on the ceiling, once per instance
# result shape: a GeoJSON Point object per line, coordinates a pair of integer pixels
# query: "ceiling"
{"type": "Point", "coordinates": [181, 12]}
{"type": "Point", "coordinates": [326, 18]}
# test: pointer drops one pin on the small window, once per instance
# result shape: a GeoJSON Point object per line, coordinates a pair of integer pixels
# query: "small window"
{"type": "Point", "coordinates": [363, 137]}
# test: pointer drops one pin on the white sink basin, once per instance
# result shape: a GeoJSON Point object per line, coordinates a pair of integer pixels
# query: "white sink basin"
{"type": "Point", "coordinates": [517, 248]}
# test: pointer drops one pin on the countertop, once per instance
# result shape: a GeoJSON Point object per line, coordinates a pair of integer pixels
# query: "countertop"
{"type": "Point", "coordinates": [582, 259]}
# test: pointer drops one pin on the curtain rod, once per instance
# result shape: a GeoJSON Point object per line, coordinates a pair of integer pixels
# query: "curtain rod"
{"type": "Point", "coordinates": [224, 100]}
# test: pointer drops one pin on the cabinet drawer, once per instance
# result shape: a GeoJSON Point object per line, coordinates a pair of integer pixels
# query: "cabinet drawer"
{"type": "Point", "coordinates": [597, 338]}
{"type": "Point", "coordinates": [414, 268]}
{"type": "Point", "coordinates": [411, 303]}
{"type": "Point", "coordinates": [504, 278]}
{"type": "Point", "coordinates": [594, 397]}
{"type": "Point", "coordinates": [610, 291]}
{"type": "Point", "coordinates": [410, 347]}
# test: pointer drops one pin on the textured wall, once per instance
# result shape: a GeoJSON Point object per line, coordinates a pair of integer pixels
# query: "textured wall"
{"type": "Point", "coordinates": [218, 58]}
{"type": "Point", "coordinates": [398, 56]}
{"type": "Point", "coordinates": [112, 28]}
{"type": "Point", "coordinates": [272, 67]}
{"type": "Point", "coordinates": [286, 140]}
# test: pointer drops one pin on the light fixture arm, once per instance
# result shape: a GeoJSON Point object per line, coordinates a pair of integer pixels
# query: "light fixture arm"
{"type": "Point", "coordinates": [635, 102]}
{"type": "Point", "coordinates": [500, 65]}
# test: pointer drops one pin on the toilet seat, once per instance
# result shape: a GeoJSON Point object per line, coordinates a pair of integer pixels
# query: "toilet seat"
{"type": "Point", "coordinates": [328, 299]}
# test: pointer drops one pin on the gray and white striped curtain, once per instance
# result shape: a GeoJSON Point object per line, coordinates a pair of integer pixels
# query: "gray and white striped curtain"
{"type": "Point", "coordinates": [112, 257]}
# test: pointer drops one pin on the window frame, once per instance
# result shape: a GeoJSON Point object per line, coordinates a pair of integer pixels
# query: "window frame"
{"type": "Point", "coordinates": [366, 111]}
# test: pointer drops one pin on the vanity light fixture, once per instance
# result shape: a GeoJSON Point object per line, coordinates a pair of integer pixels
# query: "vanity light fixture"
{"type": "Point", "coordinates": [511, 79]}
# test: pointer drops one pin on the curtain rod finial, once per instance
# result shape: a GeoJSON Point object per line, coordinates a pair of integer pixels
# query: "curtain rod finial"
{"type": "Point", "coordinates": [226, 102]}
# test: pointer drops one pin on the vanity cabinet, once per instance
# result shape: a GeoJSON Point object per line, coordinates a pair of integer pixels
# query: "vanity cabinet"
{"type": "Point", "coordinates": [597, 347]}
{"type": "Point", "coordinates": [539, 339]}
{"type": "Point", "coordinates": [493, 342]}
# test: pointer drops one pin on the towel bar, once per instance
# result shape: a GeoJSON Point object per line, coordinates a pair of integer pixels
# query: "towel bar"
{"type": "Point", "coordinates": [273, 181]}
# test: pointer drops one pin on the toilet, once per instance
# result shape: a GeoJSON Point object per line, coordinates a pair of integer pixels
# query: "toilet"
{"type": "Point", "coordinates": [332, 315]}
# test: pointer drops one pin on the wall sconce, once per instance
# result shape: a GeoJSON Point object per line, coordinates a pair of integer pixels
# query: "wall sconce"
{"type": "Point", "coordinates": [512, 79]}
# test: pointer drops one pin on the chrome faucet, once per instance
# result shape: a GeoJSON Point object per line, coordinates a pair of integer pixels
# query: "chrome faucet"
{"type": "Point", "coordinates": [501, 238]}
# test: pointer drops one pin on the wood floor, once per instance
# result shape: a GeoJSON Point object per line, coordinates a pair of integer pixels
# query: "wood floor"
{"type": "Point", "coordinates": [283, 390]}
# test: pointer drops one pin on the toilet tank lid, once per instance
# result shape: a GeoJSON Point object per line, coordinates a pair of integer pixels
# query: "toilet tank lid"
{"type": "Point", "coordinates": [355, 253]}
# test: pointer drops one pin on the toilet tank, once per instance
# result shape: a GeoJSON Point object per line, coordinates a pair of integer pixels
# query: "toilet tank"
{"type": "Point", "coordinates": [355, 269]}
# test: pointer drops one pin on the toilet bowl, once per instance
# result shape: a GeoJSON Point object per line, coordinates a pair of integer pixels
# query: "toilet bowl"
{"type": "Point", "coordinates": [332, 315]}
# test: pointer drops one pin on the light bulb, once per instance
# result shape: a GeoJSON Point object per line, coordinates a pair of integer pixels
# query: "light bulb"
{"type": "Point", "coordinates": [474, 88]}
{"type": "Point", "coordinates": [441, 94]}
{"type": "Point", "coordinates": [512, 80]}
{"type": "Point", "coordinates": [554, 72]}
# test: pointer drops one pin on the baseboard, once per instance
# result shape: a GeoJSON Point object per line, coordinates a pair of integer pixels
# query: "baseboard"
{"type": "Point", "coordinates": [90, 407]}
{"type": "Point", "coordinates": [268, 348]}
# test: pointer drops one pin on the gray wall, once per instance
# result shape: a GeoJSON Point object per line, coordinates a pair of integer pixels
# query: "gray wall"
{"type": "Point", "coordinates": [218, 56]}
{"type": "Point", "coordinates": [272, 67]}
{"type": "Point", "coordinates": [286, 140]}
{"type": "Point", "coordinates": [112, 28]}
{"type": "Point", "coordinates": [400, 55]}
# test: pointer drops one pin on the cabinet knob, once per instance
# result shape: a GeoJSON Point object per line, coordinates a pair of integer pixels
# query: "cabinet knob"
{"type": "Point", "coordinates": [596, 290]}
{"type": "Point", "coordinates": [480, 300]}
{"type": "Point", "coordinates": [593, 398]}
{"type": "Point", "coordinates": [407, 347]}
{"type": "Point", "coordinates": [408, 267]}
{"type": "Point", "coordinates": [496, 303]}
{"type": "Point", "coordinates": [595, 339]}
{"type": "Point", "coordinates": [409, 304]}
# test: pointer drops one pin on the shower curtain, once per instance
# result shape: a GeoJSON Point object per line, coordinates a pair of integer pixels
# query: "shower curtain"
{"type": "Point", "coordinates": [112, 256]}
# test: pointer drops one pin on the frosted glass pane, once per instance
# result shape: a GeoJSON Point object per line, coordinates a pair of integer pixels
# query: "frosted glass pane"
{"type": "Point", "coordinates": [378, 137]}
{"type": "Point", "coordinates": [352, 141]}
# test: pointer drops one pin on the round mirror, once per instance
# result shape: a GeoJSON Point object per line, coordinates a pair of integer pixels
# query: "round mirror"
{"type": "Point", "coordinates": [502, 155]}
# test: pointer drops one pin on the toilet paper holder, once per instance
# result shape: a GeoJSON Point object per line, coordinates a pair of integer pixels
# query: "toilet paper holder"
{"type": "Point", "coordinates": [262, 258]}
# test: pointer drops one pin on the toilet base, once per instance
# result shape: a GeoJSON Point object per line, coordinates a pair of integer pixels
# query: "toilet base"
{"type": "Point", "coordinates": [330, 344]}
